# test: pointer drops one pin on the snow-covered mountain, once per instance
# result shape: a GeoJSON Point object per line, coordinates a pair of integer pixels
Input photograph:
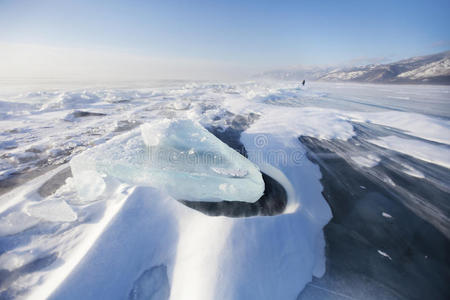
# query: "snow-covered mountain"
{"type": "Point", "coordinates": [431, 69]}
{"type": "Point", "coordinates": [423, 69]}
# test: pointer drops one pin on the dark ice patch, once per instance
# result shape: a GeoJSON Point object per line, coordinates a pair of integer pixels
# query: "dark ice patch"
{"type": "Point", "coordinates": [126, 125]}
{"type": "Point", "coordinates": [119, 101]}
{"type": "Point", "coordinates": [418, 267]}
{"type": "Point", "coordinates": [54, 183]}
{"type": "Point", "coordinates": [82, 114]}
{"type": "Point", "coordinates": [232, 134]}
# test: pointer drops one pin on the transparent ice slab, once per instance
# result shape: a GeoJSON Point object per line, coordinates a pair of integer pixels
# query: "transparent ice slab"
{"type": "Point", "coordinates": [178, 156]}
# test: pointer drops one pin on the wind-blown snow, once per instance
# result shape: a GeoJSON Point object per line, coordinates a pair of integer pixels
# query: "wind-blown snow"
{"type": "Point", "coordinates": [437, 154]}
{"type": "Point", "coordinates": [368, 161]}
{"type": "Point", "coordinates": [425, 127]}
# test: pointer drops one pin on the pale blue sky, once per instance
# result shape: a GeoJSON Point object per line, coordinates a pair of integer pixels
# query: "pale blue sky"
{"type": "Point", "coordinates": [249, 33]}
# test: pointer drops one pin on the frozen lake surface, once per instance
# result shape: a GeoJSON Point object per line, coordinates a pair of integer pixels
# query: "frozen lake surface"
{"type": "Point", "coordinates": [360, 171]}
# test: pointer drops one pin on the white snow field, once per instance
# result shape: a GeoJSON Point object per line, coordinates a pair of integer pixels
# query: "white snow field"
{"type": "Point", "coordinates": [91, 177]}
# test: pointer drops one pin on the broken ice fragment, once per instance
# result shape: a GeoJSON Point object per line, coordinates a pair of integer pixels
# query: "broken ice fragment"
{"type": "Point", "coordinates": [180, 157]}
{"type": "Point", "coordinates": [53, 211]}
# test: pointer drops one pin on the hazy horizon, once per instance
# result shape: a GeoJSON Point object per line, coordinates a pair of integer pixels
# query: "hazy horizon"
{"type": "Point", "coordinates": [119, 40]}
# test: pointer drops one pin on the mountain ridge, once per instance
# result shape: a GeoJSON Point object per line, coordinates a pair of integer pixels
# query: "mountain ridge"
{"type": "Point", "coordinates": [428, 69]}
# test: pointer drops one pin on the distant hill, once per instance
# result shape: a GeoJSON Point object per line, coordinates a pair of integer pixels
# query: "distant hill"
{"type": "Point", "coordinates": [430, 69]}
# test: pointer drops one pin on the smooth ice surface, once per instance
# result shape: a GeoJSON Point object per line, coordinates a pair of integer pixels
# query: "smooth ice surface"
{"type": "Point", "coordinates": [180, 157]}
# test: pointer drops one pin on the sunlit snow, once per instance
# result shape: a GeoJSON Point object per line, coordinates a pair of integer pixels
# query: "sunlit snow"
{"type": "Point", "coordinates": [92, 177]}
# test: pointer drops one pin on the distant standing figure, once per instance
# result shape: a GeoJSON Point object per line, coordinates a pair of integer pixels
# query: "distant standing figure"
{"type": "Point", "coordinates": [303, 83]}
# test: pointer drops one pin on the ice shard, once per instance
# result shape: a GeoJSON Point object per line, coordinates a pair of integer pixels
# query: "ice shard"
{"type": "Point", "coordinates": [180, 157]}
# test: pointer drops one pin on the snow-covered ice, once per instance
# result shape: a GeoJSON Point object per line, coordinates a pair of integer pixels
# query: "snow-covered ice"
{"type": "Point", "coordinates": [368, 161]}
{"type": "Point", "coordinates": [112, 227]}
